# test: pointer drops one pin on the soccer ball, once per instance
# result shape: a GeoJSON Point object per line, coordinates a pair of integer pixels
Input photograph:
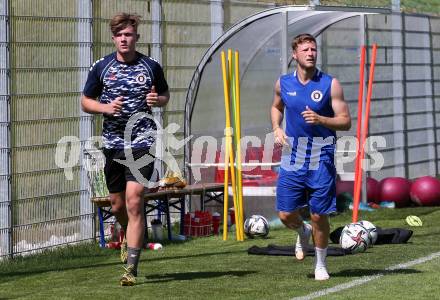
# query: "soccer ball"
{"type": "Point", "coordinates": [256, 226]}
{"type": "Point", "coordinates": [354, 238]}
{"type": "Point", "coordinates": [372, 231]}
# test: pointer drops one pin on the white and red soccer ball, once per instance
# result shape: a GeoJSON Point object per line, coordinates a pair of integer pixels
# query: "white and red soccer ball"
{"type": "Point", "coordinates": [354, 238]}
{"type": "Point", "coordinates": [372, 231]}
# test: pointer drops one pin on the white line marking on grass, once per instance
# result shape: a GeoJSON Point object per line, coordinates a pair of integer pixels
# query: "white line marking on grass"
{"type": "Point", "coordinates": [366, 279]}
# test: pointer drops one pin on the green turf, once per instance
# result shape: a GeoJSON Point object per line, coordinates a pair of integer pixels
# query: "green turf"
{"type": "Point", "coordinates": [209, 268]}
{"type": "Point", "coordinates": [419, 6]}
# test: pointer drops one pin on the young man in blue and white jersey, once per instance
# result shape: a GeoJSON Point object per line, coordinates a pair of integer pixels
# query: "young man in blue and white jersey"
{"type": "Point", "coordinates": [313, 104]}
{"type": "Point", "coordinates": [126, 82]}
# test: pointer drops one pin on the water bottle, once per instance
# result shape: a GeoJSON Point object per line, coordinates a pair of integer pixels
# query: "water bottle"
{"type": "Point", "coordinates": [157, 230]}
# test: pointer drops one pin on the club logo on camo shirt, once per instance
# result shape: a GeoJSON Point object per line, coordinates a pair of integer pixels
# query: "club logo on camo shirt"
{"type": "Point", "coordinates": [316, 96]}
{"type": "Point", "coordinates": [141, 78]}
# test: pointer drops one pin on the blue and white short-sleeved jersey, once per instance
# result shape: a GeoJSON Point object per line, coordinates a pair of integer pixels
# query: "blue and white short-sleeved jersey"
{"type": "Point", "coordinates": [108, 79]}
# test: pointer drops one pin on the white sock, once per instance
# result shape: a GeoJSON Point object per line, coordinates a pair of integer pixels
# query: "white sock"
{"type": "Point", "coordinates": [321, 255]}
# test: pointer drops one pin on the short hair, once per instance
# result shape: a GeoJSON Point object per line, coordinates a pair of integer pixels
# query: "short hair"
{"type": "Point", "coordinates": [302, 38]}
{"type": "Point", "coordinates": [122, 20]}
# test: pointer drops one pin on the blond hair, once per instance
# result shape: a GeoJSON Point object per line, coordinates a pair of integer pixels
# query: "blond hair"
{"type": "Point", "coordinates": [302, 38]}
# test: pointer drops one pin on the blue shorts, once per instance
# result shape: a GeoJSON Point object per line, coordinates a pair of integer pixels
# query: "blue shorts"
{"type": "Point", "coordinates": [316, 188]}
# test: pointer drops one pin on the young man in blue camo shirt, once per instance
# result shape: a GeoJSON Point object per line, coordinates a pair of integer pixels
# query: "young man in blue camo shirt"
{"type": "Point", "coordinates": [118, 86]}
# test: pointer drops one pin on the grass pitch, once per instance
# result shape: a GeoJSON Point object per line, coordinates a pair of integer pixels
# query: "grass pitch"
{"type": "Point", "coordinates": [209, 268]}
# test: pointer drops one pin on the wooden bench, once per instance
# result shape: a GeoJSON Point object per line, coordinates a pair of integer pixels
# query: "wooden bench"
{"type": "Point", "coordinates": [163, 200]}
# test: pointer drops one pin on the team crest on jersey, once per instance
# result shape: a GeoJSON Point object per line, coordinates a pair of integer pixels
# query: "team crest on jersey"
{"type": "Point", "coordinates": [141, 78]}
{"type": "Point", "coordinates": [316, 95]}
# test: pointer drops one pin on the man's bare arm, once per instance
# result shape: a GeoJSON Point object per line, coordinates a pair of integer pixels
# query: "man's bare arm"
{"type": "Point", "coordinates": [277, 114]}
{"type": "Point", "coordinates": [91, 106]}
{"type": "Point", "coordinates": [157, 100]}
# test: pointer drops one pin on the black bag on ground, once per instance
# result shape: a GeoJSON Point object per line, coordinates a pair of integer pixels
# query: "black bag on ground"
{"type": "Point", "coordinates": [290, 251]}
{"type": "Point", "coordinates": [384, 236]}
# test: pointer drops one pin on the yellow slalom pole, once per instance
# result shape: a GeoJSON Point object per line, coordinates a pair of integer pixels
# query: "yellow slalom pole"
{"type": "Point", "coordinates": [236, 144]}
{"type": "Point", "coordinates": [235, 141]}
{"type": "Point", "coordinates": [228, 136]}
{"type": "Point", "coordinates": [234, 183]}
{"type": "Point", "coordinates": [231, 157]}
{"type": "Point", "coordinates": [228, 132]}
{"type": "Point", "coordinates": [238, 138]}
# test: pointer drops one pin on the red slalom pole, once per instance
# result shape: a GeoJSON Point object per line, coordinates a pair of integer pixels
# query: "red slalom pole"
{"type": "Point", "coordinates": [357, 174]}
{"type": "Point", "coordinates": [365, 129]}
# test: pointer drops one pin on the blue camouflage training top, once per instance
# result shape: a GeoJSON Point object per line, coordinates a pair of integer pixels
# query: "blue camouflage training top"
{"type": "Point", "coordinates": [108, 79]}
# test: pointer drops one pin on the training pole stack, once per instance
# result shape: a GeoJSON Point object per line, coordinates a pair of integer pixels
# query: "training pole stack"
{"type": "Point", "coordinates": [232, 159]}
{"type": "Point", "coordinates": [361, 134]}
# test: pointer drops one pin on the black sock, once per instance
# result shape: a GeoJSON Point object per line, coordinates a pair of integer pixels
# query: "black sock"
{"type": "Point", "coordinates": [133, 258]}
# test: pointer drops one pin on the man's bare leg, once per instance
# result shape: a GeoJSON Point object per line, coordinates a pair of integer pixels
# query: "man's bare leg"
{"type": "Point", "coordinates": [119, 210]}
{"type": "Point", "coordinates": [293, 220]}
{"type": "Point", "coordinates": [136, 222]}
{"type": "Point", "coordinates": [321, 231]}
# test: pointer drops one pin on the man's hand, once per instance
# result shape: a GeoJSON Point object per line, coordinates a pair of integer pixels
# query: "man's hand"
{"type": "Point", "coordinates": [153, 97]}
{"type": "Point", "coordinates": [114, 108]}
{"type": "Point", "coordinates": [280, 137]}
{"type": "Point", "coordinates": [311, 117]}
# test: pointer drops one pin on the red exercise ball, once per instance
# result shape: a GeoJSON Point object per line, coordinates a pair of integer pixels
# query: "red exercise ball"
{"type": "Point", "coordinates": [344, 186]}
{"type": "Point", "coordinates": [395, 189]}
{"type": "Point", "coordinates": [425, 191]}
{"type": "Point", "coordinates": [373, 190]}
